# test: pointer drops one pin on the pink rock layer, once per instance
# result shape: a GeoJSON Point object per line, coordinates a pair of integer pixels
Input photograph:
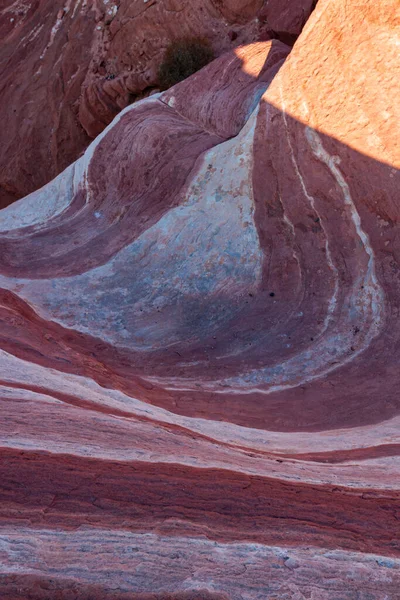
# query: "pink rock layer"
{"type": "Point", "coordinates": [69, 66]}
{"type": "Point", "coordinates": [199, 337]}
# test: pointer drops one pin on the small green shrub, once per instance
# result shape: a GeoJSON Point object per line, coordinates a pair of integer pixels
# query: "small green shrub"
{"type": "Point", "coordinates": [182, 58]}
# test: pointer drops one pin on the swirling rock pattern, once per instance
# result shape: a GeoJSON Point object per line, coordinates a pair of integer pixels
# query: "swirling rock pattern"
{"type": "Point", "coordinates": [69, 66]}
{"type": "Point", "coordinates": [199, 337]}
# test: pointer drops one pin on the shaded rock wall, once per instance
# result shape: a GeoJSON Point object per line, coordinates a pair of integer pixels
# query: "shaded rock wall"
{"type": "Point", "coordinates": [44, 57]}
{"type": "Point", "coordinates": [199, 337]}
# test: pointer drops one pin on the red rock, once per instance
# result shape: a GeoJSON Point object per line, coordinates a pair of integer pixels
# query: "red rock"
{"type": "Point", "coordinates": [199, 337]}
{"type": "Point", "coordinates": [286, 17]}
{"type": "Point", "coordinates": [57, 60]}
{"type": "Point", "coordinates": [44, 57]}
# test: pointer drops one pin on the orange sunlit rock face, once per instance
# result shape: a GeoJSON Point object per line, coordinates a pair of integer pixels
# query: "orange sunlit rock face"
{"type": "Point", "coordinates": [349, 87]}
{"type": "Point", "coordinates": [199, 335]}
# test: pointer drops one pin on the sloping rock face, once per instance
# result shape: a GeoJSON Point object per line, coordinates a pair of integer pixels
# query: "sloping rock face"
{"type": "Point", "coordinates": [44, 57]}
{"type": "Point", "coordinates": [200, 338]}
{"type": "Point", "coordinates": [69, 66]}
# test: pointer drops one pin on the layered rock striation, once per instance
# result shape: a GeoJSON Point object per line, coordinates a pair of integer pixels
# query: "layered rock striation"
{"type": "Point", "coordinates": [69, 66]}
{"type": "Point", "coordinates": [199, 336]}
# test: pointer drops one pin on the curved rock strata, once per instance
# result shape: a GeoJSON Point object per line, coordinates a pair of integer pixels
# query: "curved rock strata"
{"type": "Point", "coordinates": [69, 66]}
{"type": "Point", "coordinates": [199, 337]}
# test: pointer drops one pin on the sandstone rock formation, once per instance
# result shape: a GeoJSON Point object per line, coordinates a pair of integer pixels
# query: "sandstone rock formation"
{"type": "Point", "coordinates": [199, 337]}
{"type": "Point", "coordinates": [69, 66]}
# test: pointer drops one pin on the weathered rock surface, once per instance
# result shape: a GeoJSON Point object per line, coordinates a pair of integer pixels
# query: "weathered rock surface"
{"type": "Point", "coordinates": [199, 337]}
{"type": "Point", "coordinates": [286, 18]}
{"type": "Point", "coordinates": [69, 66]}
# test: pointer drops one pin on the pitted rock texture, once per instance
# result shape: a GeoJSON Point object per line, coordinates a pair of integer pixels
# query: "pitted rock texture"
{"type": "Point", "coordinates": [69, 66]}
{"type": "Point", "coordinates": [199, 337]}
